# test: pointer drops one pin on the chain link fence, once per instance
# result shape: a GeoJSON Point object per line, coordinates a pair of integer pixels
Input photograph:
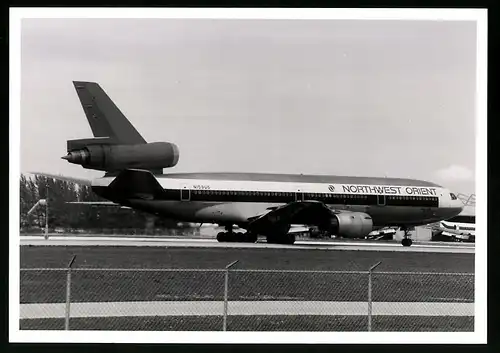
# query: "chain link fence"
{"type": "Point", "coordinates": [235, 299]}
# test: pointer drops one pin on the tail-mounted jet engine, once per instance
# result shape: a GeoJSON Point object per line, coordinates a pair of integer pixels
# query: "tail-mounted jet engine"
{"type": "Point", "coordinates": [101, 154]}
{"type": "Point", "coordinates": [351, 224]}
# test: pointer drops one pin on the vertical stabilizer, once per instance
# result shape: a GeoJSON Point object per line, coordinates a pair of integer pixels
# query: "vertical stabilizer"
{"type": "Point", "coordinates": [104, 117]}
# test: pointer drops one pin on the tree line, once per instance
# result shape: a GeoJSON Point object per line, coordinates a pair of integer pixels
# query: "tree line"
{"type": "Point", "coordinates": [63, 215]}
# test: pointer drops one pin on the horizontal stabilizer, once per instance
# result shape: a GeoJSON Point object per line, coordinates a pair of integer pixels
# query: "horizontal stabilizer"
{"type": "Point", "coordinates": [94, 203]}
{"type": "Point", "coordinates": [78, 181]}
{"type": "Point", "coordinates": [98, 203]}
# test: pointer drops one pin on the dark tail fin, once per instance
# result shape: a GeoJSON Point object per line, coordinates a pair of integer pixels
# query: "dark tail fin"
{"type": "Point", "coordinates": [104, 117]}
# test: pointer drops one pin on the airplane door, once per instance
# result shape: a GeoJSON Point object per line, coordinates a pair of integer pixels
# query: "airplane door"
{"type": "Point", "coordinates": [381, 200]}
{"type": "Point", "coordinates": [299, 196]}
{"type": "Point", "coordinates": [185, 194]}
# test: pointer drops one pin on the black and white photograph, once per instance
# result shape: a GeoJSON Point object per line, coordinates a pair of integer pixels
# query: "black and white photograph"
{"type": "Point", "coordinates": [248, 175]}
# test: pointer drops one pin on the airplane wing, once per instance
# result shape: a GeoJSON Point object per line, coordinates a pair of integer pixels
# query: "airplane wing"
{"type": "Point", "coordinates": [79, 181]}
{"type": "Point", "coordinates": [297, 212]}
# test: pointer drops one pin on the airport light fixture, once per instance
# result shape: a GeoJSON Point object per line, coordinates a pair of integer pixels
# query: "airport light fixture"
{"type": "Point", "coordinates": [42, 202]}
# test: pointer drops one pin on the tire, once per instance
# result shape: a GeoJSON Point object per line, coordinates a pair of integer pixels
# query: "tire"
{"type": "Point", "coordinates": [272, 240]}
{"type": "Point", "coordinates": [251, 237]}
{"type": "Point", "coordinates": [221, 237]}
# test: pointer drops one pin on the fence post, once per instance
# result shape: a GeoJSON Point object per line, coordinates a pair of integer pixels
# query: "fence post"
{"type": "Point", "coordinates": [68, 293]}
{"type": "Point", "coordinates": [46, 236]}
{"type": "Point", "coordinates": [370, 295]}
{"type": "Point", "coordinates": [226, 284]}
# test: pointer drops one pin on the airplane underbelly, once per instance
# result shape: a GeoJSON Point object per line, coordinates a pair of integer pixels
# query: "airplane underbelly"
{"type": "Point", "coordinates": [398, 215]}
{"type": "Point", "coordinates": [236, 212]}
{"type": "Point", "coordinates": [240, 212]}
{"type": "Point", "coordinates": [199, 211]}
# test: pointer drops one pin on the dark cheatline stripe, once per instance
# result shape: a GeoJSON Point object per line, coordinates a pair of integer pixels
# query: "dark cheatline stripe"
{"type": "Point", "coordinates": [276, 197]}
{"type": "Point", "coordinates": [259, 323]}
{"type": "Point", "coordinates": [286, 197]}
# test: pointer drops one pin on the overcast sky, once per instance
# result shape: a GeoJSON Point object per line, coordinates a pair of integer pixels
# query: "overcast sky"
{"type": "Point", "coordinates": [370, 98]}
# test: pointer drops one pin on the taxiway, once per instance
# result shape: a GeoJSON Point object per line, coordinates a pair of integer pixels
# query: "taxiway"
{"type": "Point", "coordinates": [212, 243]}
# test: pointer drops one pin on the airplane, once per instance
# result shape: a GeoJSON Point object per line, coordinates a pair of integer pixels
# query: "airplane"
{"type": "Point", "coordinates": [461, 228]}
{"type": "Point", "coordinates": [262, 204]}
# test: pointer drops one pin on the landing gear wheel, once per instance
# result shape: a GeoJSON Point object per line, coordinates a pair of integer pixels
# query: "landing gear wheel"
{"type": "Point", "coordinates": [272, 239]}
{"type": "Point", "coordinates": [251, 237]}
{"type": "Point", "coordinates": [290, 239]}
{"type": "Point", "coordinates": [221, 237]}
{"type": "Point", "coordinates": [406, 238]}
{"type": "Point", "coordinates": [406, 242]}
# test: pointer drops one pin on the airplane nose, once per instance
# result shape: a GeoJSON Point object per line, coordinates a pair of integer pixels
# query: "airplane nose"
{"type": "Point", "coordinates": [457, 207]}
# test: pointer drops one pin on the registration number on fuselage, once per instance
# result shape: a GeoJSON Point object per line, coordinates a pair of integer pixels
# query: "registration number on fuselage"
{"type": "Point", "coordinates": [201, 187]}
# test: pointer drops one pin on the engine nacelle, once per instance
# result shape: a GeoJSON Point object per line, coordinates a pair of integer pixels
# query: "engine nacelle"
{"type": "Point", "coordinates": [108, 157]}
{"type": "Point", "coordinates": [351, 224]}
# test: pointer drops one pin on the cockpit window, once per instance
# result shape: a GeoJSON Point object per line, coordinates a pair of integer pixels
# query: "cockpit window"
{"type": "Point", "coordinates": [453, 197]}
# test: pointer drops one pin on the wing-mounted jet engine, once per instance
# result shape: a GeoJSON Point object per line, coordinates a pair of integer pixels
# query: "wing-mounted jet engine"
{"type": "Point", "coordinates": [276, 223]}
{"type": "Point", "coordinates": [351, 224]}
{"type": "Point", "coordinates": [116, 145]}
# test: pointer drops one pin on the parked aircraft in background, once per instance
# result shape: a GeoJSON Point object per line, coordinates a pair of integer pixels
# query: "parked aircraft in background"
{"type": "Point", "coordinates": [461, 228]}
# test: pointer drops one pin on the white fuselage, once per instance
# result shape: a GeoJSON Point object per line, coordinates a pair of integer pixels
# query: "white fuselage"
{"type": "Point", "coordinates": [458, 229]}
{"type": "Point", "coordinates": [236, 201]}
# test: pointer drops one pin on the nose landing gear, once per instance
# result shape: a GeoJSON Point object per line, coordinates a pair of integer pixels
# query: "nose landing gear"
{"type": "Point", "coordinates": [406, 240]}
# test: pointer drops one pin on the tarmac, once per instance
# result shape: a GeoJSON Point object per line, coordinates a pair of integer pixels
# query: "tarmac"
{"type": "Point", "coordinates": [466, 248]}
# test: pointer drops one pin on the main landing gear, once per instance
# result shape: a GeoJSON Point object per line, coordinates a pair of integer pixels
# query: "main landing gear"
{"type": "Point", "coordinates": [287, 238]}
{"type": "Point", "coordinates": [230, 236]}
{"type": "Point", "coordinates": [406, 240]}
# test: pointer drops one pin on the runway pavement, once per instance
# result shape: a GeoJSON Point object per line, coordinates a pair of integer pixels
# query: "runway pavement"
{"type": "Point", "coordinates": [466, 248]}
